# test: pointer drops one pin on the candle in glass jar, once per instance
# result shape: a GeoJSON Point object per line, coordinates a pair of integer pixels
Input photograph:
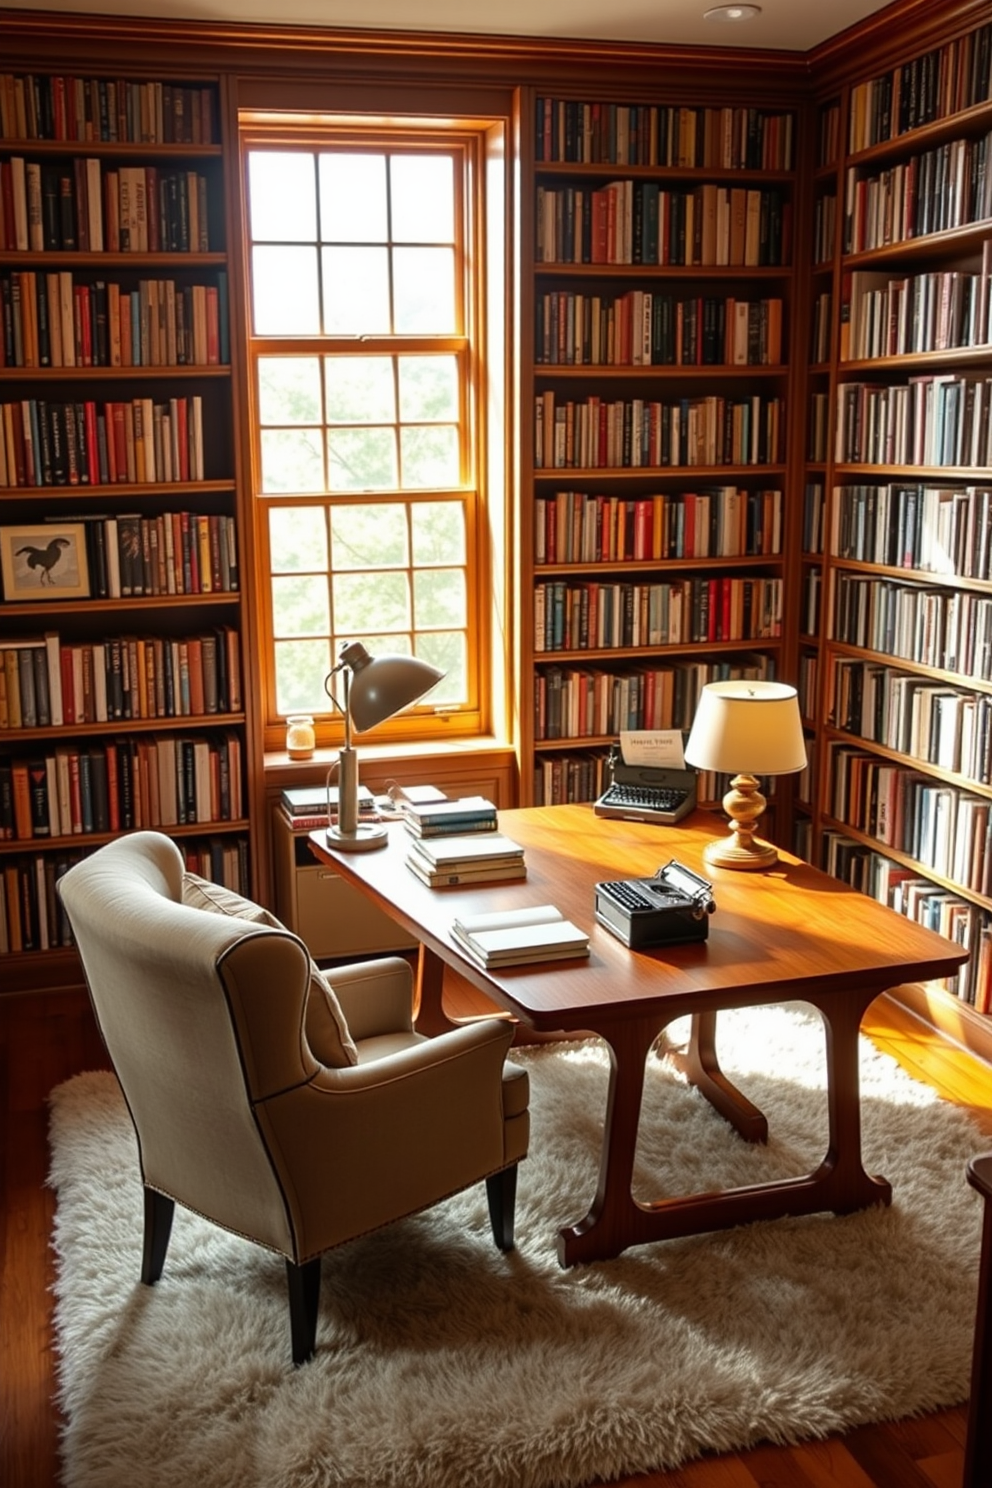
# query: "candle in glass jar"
{"type": "Point", "coordinates": [300, 736]}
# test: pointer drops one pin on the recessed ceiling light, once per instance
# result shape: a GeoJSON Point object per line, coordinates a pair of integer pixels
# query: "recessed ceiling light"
{"type": "Point", "coordinates": [733, 13]}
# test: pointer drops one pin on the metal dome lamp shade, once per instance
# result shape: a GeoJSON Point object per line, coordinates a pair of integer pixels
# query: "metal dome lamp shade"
{"type": "Point", "coordinates": [746, 729]}
{"type": "Point", "coordinates": [373, 688]}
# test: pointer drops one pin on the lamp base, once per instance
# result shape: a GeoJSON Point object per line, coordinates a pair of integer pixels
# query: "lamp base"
{"type": "Point", "coordinates": [365, 838]}
{"type": "Point", "coordinates": [728, 852]}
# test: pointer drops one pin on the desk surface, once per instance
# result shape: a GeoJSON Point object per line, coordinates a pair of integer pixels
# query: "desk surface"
{"type": "Point", "coordinates": [790, 931]}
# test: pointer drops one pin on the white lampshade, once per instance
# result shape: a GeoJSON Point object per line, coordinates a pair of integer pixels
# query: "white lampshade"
{"type": "Point", "coordinates": [747, 728]}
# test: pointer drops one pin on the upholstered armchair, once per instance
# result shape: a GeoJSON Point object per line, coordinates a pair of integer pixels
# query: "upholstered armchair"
{"type": "Point", "coordinates": [296, 1113]}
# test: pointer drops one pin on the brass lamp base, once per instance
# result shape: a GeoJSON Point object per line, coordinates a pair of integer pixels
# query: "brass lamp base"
{"type": "Point", "coordinates": [743, 803]}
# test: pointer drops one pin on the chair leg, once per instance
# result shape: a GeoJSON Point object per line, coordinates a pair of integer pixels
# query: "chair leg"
{"type": "Point", "coordinates": [304, 1301]}
{"type": "Point", "coordinates": [158, 1227]}
{"type": "Point", "coordinates": [501, 1191]}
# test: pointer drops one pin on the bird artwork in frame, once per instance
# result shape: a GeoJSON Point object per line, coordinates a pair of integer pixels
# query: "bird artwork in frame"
{"type": "Point", "coordinates": [44, 562]}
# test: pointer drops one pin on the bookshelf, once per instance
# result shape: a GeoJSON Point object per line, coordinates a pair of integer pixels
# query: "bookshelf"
{"type": "Point", "coordinates": [656, 526]}
{"type": "Point", "coordinates": [121, 699]}
{"type": "Point", "coordinates": [900, 434]}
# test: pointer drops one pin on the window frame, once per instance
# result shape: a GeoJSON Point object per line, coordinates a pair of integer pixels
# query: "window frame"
{"type": "Point", "coordinates": [467, 139]}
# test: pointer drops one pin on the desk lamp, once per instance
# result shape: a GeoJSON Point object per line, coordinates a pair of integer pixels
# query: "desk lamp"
{"type": "Point", "coordinates": [373, 689]}
{"type": "Point", "coordinates": [746, 729]}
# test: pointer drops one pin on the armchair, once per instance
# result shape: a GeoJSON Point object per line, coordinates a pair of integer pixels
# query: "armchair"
{"type": "Point", "coordinates": [296, 1114]}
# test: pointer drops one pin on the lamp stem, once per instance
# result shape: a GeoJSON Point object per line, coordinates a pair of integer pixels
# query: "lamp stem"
{"type": "Point", "coordinates": [347, 770]}
{"type": "Point", "coordinates": [744, 804]}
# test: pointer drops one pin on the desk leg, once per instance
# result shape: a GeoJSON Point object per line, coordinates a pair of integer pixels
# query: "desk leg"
{"type": "Point", "coordinates": [702, 1069]}
{"type": "Point", "coordinates": [428, 1005]}
{"type": "Point", "coordinates": [841, 1176]}
{"type": "Point", "coordinates": [615, 1220]}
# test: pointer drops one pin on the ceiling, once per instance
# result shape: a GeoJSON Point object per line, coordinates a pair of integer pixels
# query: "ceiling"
{"type": "Point", "coordinates": [789, 25]}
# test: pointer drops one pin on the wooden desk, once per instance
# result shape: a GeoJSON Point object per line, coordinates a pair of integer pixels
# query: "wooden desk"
{"type": "Point", "coordinates": [791, 934]}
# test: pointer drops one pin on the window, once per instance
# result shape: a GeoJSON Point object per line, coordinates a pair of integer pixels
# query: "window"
{"type": "Point", "coordinates": [366, 306]}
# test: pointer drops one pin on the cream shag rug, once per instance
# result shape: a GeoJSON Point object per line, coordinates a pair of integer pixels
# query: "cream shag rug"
{"type": "Point", "coordinates": [443, 1364]}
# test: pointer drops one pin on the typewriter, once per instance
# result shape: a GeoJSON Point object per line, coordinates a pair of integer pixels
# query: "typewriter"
{"type": "Point", "coordinates": [647, 793]}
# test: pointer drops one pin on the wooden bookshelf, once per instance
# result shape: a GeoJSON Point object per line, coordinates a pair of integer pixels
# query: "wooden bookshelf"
{"type": "Point", "coordinates": [122, 703]}
{"type": "Point", "coordinates": [661, 300]}
{"type": "Point", "coordinates": [901, 443]}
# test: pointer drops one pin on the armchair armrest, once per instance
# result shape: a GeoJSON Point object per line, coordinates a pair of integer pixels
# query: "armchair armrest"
{"type": "Point", "coordinates": [376, 997]}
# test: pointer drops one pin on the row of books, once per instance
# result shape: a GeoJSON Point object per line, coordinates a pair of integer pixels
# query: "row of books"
{"type": "Point", "coordinates": [637, 434]}
{"type": "Point", "coordinates": [592, 616]}
{"type": "Point", "coordinates": [727, 138]}
{"type": "Point", "coordinates": [567, 778]}
{"type": "Point", "coordinates": [824, 228]}
{"type": "Point", "coordinates": [308, 807]}
{"type": "Point", "coordinates": [48, 683]}
{"type": "Point", "coordinates": [884, 315]}
{"type": "Point", "coordinates": [640, 222]}
{"type": "Point", "coordinates": [944, 628]}
{"type": "Point", "coordinates": [931, 420]}
{"type": "Point", "coordinates": [31, 915]}
{"type": "Point", "coordinates": [131, 556]}
{"type": "Point", "coordinates": [137, 442]}
{"type": "Point", "coordinates": [482, 857]}
{"type": "Point", "coordinates": [719, 521]}
{"type": "Point", "coordinates": [120, 785]}
{"type": "Point", "coordinates": [65, 107]}
{"type": "Point", "coordinates": [941, 82]}
{"type": "Point", "coordinates": [90, 207]}
{"type": "Point", "coordinates": [59, 320]}
{"type": "Point", "coordinates": [933, 529]}
{"type": "Point", "coordinates": [938, 825]}
{"type": "Point", "coordinates": [814, 506]}
{"type": "Point", "coordinates": [809, 614]}
{"type": "Point", "coordinates": [583, 702]}
{"type": "Point", "coordinates": [947, 187]}
{"type": "Point", "coordinates": [643, 328]}
{"type": "Point", "coordinates": [915, 716]}
{"type": "Point", "coordinates": [907, 892]}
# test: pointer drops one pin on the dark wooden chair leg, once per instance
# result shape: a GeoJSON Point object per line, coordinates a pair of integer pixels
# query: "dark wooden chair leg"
{"type": "Point", "coordinates": [501, 1191]}
{"type": "Point", "coordinates": [158, 1227]}
{"type": "Point", "coordinates": [304, 1301]}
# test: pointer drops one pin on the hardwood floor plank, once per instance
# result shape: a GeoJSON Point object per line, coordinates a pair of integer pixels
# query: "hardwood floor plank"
{"type": "Point", "coordinates": [828, 1464]}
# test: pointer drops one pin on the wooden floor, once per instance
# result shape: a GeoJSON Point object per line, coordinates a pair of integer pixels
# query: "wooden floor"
{"type": "Point", "coordinates": [46, 1038]}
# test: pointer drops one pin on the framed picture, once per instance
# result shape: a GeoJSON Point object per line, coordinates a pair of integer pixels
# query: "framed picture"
{"type": "Point", "coordinates": [44, 561]}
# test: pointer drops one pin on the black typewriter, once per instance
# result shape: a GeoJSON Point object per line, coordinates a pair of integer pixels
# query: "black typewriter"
{"type": "Point", "coordinates": [647, 793]}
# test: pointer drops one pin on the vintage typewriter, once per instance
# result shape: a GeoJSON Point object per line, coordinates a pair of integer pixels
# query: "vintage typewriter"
{"type": "Point", "coordinates": [671, 908]}
{"type": "Point", "coordinates": [646, 793]}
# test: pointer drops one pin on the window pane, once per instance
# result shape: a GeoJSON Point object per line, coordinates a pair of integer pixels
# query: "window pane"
{"type": "Point", "coordinates": [353, 199]}
{"type": "Point", "coordinates": [360, 390]}
{"type": "Point", "coordinates": [285, 301]}
{"type": "Point", "coordinates": [362, 604]}
{"type": "Point", "coordinates": [430, 457]}
{"type": "Point", "coordinates": [299, 605]}
{"type": "Point", "coordinates": [423, 199]}
{"type": "Point", "coordinates": [281, 195]}
{"type": "Point", "coordinates": [424, 290]}
{"type": "Point", "coordinates": [291, 461]}
{"type": "Point", "coordinates": [428, 388]}
{"type": "Point", "coordinates": [438, 529]}
{"type": "Point", "coordinates": [301, 667]}
{"type": "Point", "coordinates": [369, 537]}
{"type": "Point", "coordinates": [439, 598]}
{"type": "Point", "coordinates": [356, 291]}
{"type": "Point", "coordinates": [361, 459]}
{"type": "Point", "coordinates": [289, 390]}
{"type": "Point", "coordinates": [445, 649]}
{"type": "Point", "coordinates": [297, 539]}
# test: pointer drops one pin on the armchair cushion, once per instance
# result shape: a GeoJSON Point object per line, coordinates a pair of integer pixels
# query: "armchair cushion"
{"type": "Point", "coordinates": [326, 1026]}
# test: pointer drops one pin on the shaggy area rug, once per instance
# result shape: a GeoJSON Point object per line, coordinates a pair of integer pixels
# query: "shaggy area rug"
{"type": "Point", "coordinates": [441, 1363]}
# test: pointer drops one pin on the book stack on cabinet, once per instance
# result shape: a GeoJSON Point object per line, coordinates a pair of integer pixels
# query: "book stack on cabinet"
{"type": "Point", "coordinates": [899, 498]}
{"type": "Point", "coordinates": [121, 690]}
{"type": "Point", "coordinates": [662, 290]}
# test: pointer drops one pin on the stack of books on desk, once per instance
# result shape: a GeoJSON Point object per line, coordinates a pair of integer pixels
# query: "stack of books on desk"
{"type": "Point", "coordinates": [305, 807]}
{"type": "Point", "coordinates": [484, 857]}
{"type": "Point", "coordinates": [447, 818]}
{"type": "Point", "coordinates": [516, 936]}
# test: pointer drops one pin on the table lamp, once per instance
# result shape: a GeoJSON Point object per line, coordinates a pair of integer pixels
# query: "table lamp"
{"type": "Point", "coordinates": [373, 689]}
{"type": "Point", "coordinates": [746, 729]}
